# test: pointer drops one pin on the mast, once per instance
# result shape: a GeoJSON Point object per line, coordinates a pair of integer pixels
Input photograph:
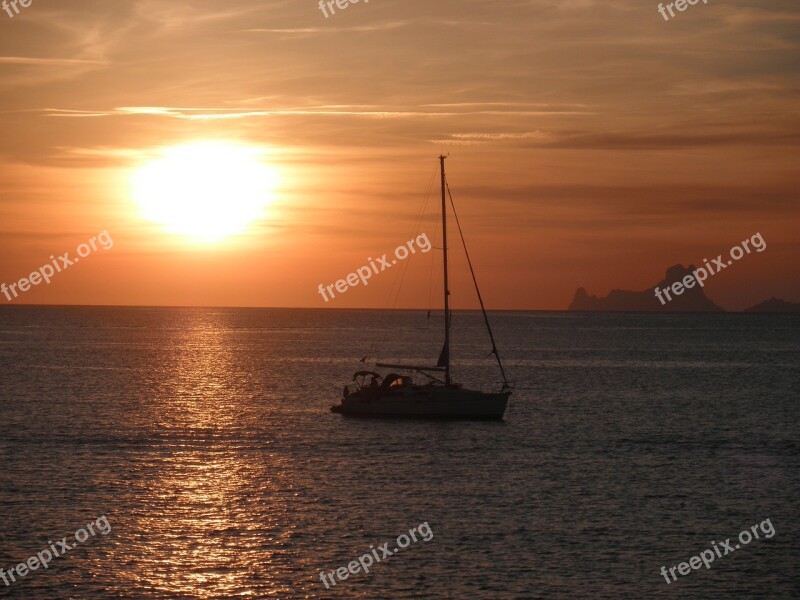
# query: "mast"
{"type": "Point", "coordinates": [446, 349]}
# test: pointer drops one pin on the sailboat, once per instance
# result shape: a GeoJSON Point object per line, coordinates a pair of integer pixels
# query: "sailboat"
{"type": "Point", "coordinates": [396, 396]}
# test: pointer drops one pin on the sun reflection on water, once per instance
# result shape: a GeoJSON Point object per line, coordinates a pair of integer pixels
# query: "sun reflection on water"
{"type": "Point", "coordinates": [204, 534]}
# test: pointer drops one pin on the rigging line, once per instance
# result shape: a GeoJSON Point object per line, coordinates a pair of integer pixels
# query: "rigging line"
{"type": "Point", "coordinates": [430, 279]}
{"type": "Point", "coordinates": [418, 222]}
{"type": "Point", "coordinates": [420, 215]}
{"type": "Point", "coordinates": [432, 271]}
{"type": "Point", "coordinates": [477, 289]}
{"type": "Point", "coordinates": [434, 274]}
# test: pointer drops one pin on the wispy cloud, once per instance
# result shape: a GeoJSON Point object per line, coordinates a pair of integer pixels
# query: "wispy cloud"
{"type": "Point", "coordinates": [323, 110]}
{"type": "Point", "coordinates": [380, 26]}
{"type": "Point", "coordinates": [29, 60]}
{"type": "Point", "coordinates": [472, 139]}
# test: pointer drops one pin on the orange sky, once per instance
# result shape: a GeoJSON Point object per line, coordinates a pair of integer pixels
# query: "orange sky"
{"type": "Point", "coordinates": [591, 144]}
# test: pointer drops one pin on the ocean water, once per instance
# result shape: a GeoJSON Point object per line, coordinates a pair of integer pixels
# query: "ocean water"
{"type": "Point", "coordinates": [204, 437]}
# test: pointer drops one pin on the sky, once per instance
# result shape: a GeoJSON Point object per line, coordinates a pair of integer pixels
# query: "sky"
{"type": "Point", "coordinates": [590, 144]}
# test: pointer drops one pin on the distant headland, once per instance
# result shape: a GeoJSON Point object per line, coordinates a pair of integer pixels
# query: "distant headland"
{"type": "Point", "coordinates": [775, 305]}
{"type": "Point", "coordinates": [690, 299]}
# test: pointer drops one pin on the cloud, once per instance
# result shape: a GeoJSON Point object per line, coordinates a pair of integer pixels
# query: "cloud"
{"type": "Point", "coordinates": [28, 60]}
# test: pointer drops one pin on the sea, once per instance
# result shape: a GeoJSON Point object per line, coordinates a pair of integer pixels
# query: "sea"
{"type": "Point", "coordinates": [199, 445]}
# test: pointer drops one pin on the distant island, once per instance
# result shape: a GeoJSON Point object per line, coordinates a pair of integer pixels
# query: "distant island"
{"type": "Point", "coordinates": [774, 305]}
{"type": "Point", "coordinates": [691, 300]}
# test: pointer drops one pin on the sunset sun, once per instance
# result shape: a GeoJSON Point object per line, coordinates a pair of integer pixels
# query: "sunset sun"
{"type": "Point", "coordinates": [204, 190]}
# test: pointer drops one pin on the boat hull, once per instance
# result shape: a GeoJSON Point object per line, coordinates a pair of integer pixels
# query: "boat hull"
{"type": "Point", "coordinates": [426, 403]}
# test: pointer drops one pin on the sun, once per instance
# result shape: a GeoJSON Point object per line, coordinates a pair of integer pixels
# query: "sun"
{"type": "Point", "coordinates": [205, 190]}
